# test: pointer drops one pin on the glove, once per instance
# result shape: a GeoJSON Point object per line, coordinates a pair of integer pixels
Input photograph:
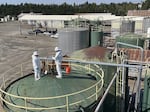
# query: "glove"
{"type": "Point", "coordinates": [53, 58]}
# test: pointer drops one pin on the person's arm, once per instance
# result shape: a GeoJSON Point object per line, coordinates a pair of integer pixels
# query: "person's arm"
{"type": "Point", "coordinates": [56, 56]}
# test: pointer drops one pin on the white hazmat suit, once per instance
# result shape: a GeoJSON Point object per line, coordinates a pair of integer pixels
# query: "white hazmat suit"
{"type": "Point", "coordinates": [36, 65]}
{"type": "Point", "coordinates": [58, 61]}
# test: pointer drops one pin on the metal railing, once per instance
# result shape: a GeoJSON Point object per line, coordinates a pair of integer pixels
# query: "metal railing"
{"type": "Point", "coordinates": [25, 68]}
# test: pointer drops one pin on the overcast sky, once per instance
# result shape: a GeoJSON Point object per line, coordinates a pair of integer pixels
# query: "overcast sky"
{"type": "Point", "coordinates": [67, 1]}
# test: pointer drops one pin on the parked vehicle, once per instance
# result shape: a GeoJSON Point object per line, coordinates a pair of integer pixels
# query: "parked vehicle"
{"type": "Point", "coordinates": [55, 35]}
{"type": "Point", "coordinates": [37, 31]}
{"type": "Point", "coordinates": [47, 33]}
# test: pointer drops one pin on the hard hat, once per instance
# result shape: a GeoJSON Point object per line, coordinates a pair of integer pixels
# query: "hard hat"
{"type": "Point", "coordinates": [35, 53]}
{"type": "Point", "coordinates": [57, 49]}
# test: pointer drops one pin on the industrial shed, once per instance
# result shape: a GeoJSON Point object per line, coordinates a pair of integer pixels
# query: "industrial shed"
{"type": "Point", "coordinates": [60, 21]}
{"type": "Point", "coordinates": [52, 21]}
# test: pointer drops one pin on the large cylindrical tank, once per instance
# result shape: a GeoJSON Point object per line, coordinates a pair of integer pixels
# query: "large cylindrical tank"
{"type": "Point", "coordinates": [72, 39]}
{"type": "Point", "coordinates": [138, 26]}
{"type": "Point", "coordinates": [148, 32]}
{"type": "Point", "coordinates": [133, 39]}
{"type": "Point", "coordinates": [96, 38]}
{"type": "Point", "coordinates": [115, 28]}
{"type": "Point", "coordinates": [146, 95]}
{"type": "Point", "coordinates": [127, 26]}
{"type": "Point", "coordinates": [101, 54]}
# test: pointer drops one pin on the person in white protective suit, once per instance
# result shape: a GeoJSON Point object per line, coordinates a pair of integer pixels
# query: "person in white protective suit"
{"type": "Point", "coordinates": [58, 61]}
{"type": "Point", "coordinates": [36, 65]}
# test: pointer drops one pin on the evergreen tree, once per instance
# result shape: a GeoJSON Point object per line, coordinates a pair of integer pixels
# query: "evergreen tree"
{"type": "Point", "coordinates": [64, 8]}
{"type": "Point", "coordinates": [146, 5]}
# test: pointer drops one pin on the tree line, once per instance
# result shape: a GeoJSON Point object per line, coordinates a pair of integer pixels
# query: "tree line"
{"type": "Point", "coordinates": [119, 9]}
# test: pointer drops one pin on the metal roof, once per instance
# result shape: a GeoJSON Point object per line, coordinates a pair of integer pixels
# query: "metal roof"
{"type": "Point", "coordinates": [139, 13]}
{"type": "Point", "coordinates": [48, 17]}
{"type": "Point", "coordinates": [88, 16]}
{"type": "Point", "coordinates": [134, 54]}
{"type": "Point", "coordinates": [93, 17]}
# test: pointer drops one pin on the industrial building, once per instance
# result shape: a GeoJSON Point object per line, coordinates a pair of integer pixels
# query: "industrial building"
{"type": "Point", "coordinates": [142, 13]}
{"type": "Point", "coordinates": [110, 25]}
{"type": "Point", "coordinates": [101, 69]}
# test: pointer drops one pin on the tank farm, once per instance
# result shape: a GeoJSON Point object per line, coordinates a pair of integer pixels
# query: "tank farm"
{"type": "Point", "coordinates": [97, 79]}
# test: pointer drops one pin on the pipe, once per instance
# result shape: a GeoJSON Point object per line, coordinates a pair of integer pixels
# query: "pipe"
{"type": "Point", "coordinates": [106, 92]}
{"type": "Point", "coordinates": [93, 62]}
{"type": "Point", "coordinates": [99, 63]}
{"type": "Point", "coordinates": [140, 73]}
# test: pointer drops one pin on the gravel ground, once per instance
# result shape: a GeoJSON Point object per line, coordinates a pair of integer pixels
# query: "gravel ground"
{"type": "Point", "coordinates": [16, 48]}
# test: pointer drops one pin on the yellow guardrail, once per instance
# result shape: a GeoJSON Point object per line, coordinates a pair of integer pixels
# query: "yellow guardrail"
{"type": "Point", "coordinates": [24, 69]}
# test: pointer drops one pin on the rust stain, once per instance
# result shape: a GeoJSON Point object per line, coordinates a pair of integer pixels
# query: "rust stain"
{"type": "Point", "coordinates": [101, 52]}
{"type": "Point", "coordinates": [96, 52]}
{"type": "Point", "coordinates": [135, 54]}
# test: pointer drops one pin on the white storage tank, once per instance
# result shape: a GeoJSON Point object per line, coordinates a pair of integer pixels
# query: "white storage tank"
{"type": "Point", "coordinates": [148, 32]}
{"type": "Point", "coordinates": [72, 39]}
{"type": "Point", "coordinates": [115, 28]}
{"type": "Point", "coordinates": [138, 24]}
